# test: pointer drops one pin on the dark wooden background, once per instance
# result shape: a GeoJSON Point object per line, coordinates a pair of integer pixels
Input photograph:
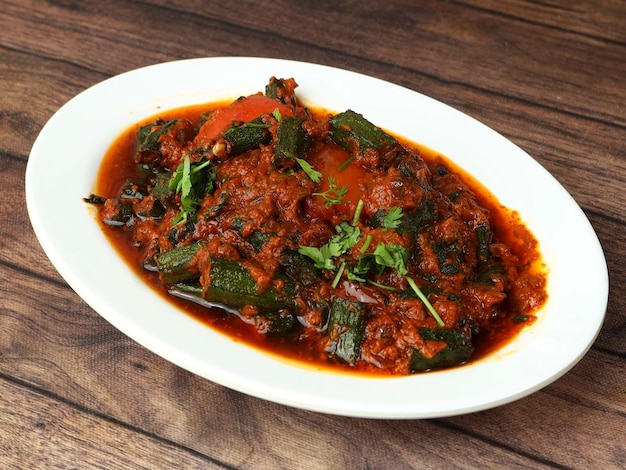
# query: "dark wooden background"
{"type": "Point", "coordinates": [76, 393]}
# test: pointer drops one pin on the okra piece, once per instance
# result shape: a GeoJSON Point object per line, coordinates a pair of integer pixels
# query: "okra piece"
{"type": "Point", "coordinates": [274, 322]}
{"type": "Point", "coordinates": [232, 284]}
{"type": "Point", "coordinates": [413, 221]}
{"type": "Point", "coordinates": [176, 265]}
{"type": "Point", "coordinates": [161, 188]}
{"type": "Point", "coordinates": [292, 139]}
{"type": "Point", "coordinates": [148, 136]}
{"type": "Point", "coordinates": [270, 322]}
{"type": "Point", "coordinates": [248, 136]}
{"type": "Point", "coordinates": [299, 267]}
{"type": "Point", "coordinates": [95, 199]}
{"type": "Point", "coordinates": [356, 134]}
{"type": "Point", "coordinates": [458, 349]}
{"type": "Point", "coordinates": [484, 238]}
{"type": "Point", "coordinates": [449, 256]}
{"type": "Point", "coordinates": [279, 90]}
{"type": "Point", "coordinates": [257, 239]}
{"type": "Point", "coordinates": [346, 329]}
{"type": "Point", "coordinates": [124, 215]}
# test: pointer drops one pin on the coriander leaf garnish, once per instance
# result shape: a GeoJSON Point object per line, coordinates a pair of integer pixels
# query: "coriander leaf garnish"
{"type": "Point", "coordinates": [393, 218]}
{"type": "Point", "coordinates": [382, 286]}
{"type": "Point", "coordinates": [363, 266]}
{"type": "Point", "coordinates": [322, 257]}
{"type": "Point", "coordinates": [192, 183]}
{"type": "Point", "coordinates": [386, 255]}
{"type": "Point", "coordinates": [366, 243]}
{"type": "Point", "coordinates": [277, 115]}
{"type": "Point", "coordinates": [334, 194]}
{"type": "Point", "coordinates": [357, 212]}
{"type": "Point", "coordinates": [347, 236]}
{"type": "Point", "coordinates": [345, 163]}
{"type": "Point", "coordinates": [311, 172]}
{"type": "Point", "coordinates": [393, 256]}
{"type": "Point", "coordinates": [425, 300]}
{"type": "Point", "coordinates": [338, 275]}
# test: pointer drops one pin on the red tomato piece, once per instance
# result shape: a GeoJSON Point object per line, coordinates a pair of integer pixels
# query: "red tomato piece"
{"type": "Point", "coordinates": [242, 110]}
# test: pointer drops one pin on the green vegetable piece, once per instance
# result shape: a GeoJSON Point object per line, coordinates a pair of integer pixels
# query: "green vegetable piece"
{"type": "Point", "coordinates": [148, 136]}
{"type": "Point", "coordinates": [257, 239]}
{"type": "Point", "coordinates": [271, 89]}
{"type": "Point", "coordinates": [176, 265]}
{"type": "Point", "coordinates": [95, 199]}
{"type": "Point", "coordinates": [484, 238]}
{"type": "Point", "coordinates": [193, 181]}
{"type": "Point", "coordinates": [458, 349]}
{"type": "Point", "coordinates": [299, 268]}
{"type": "Point", "coordinates": [161, 189]}
{"type": "Point", "coordinates": [278, 89]}
{"type": "Point", "coordinates": [242, 138]}
{"type": "Point", "coordinates": [232, 284]}
{"type": "Point", "coordinates": [346, 329]}
{"type": "Point", "coordinates": [347, 236]}
{"type": "Point", "coordinates": [292, 141]}
{"type": "Point", "coordinates": [270, 322]}
{"type": "Point", "coordinates": [334, 194]}
{"type": "Point", "coordinates": [356, 134]}
{"type": "Point", "coordinates": [275, 322]}
{"type": "Point", "coordinates": [133, 191]}
{"type": "Point", "coordinates": [124, 216]}
{"type": "Point", "coordinates": [414, 221]}
{"type": "Point", "coordinates": [448, 255]}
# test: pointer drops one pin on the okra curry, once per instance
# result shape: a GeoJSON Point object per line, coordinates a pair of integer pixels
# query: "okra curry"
{"type": "Point", "coordinates": [319, 236]}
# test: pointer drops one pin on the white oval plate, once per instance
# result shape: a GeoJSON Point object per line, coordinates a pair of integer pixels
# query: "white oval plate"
{"type": "Point", "coordinates": [62, 169]}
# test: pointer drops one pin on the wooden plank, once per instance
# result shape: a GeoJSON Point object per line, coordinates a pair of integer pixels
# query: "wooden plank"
{"type": "Point", "coordinates": [538, 64]}
{"type": "Point", "coordinates": [40, 431]}
{"type": "Point", "coordinates": [567, 422]}
{"type": "Point", "coordinates": [613, 238]}
{"type": "Point", "coordinates": [603, 19]}
{"type": "Point", "coordinates": [549, 66]}
{"type": "Point", "coordinates": [33, 89]}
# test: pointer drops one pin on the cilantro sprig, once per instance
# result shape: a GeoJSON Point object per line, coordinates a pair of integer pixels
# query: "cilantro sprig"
{"type": "Point", "coordinates": [385, 255]}
{"type": "Point", "coordinates": [193, 184]}
{"type": "Point", "coordinates": [393, 218]}
{"type": "Point", "coordinates": [425, 301]}
{"type": "Point", "coordinates": [347, 236]}
{"type": "Point", "coordinates": [393, 256]}
{"type": "Point", "coordinates": [334, 194]}
{"type": "Point", "coordinates": [308, 169]}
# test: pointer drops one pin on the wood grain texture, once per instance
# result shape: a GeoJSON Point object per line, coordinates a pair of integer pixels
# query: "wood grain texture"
{"type": "Point", "coordinates": [77, 393]}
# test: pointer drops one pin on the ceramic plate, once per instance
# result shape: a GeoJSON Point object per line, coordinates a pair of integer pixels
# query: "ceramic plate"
{"type": "Point", "coordinates": [62, 170]}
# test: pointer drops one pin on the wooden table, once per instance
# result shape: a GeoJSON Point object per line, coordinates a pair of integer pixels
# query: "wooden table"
{"type": "Point", "coordinates": [77, 393]}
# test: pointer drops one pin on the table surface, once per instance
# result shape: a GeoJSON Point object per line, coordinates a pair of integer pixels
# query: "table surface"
{"type": "Point", "coordinates": [77, 393]}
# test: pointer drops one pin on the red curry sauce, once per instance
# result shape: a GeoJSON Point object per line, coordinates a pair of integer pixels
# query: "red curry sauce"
{"type": "Point", "coordinates": [487, 290]}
